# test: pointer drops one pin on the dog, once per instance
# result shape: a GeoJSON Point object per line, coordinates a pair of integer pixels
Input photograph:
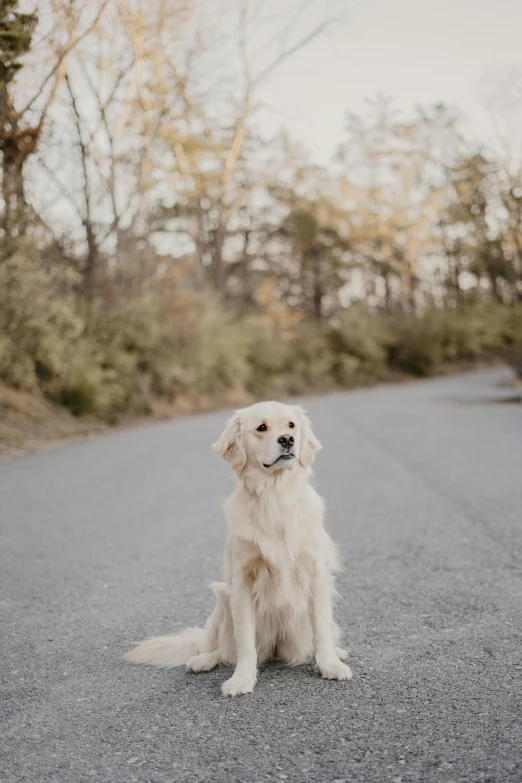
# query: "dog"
{"type": "Point", "coordinates": [276, 599]}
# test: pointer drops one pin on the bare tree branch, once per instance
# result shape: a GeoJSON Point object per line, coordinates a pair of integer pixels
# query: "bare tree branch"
{"type": "Point", "coordinates": [292, 22]}
{"type": "Point", "coordinates": [57, 66]}
{"type": "Point", "coordinates": [83, 150]}
{"type": "Point", "coordinates": [59, 184]}
{"type": "Point", "coordinates": [293, 50]}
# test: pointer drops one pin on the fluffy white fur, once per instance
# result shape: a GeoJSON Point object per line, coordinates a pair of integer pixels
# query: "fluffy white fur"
{"type": "Point", "coordinates": [276, 599]}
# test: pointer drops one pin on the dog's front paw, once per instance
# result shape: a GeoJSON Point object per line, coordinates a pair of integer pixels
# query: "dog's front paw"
{"type": "Point", "coordinates": [334, 670]}
{"type": "Point", "coordinates": [239, 683]}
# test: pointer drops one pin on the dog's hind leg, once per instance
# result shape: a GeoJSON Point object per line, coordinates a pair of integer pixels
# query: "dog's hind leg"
{"type": "Point", "coordinates": [217, 618]}
{"type": "Point", "coordinates": [204, 662]}
{"type": "Point", "coordinates": [210, 657]}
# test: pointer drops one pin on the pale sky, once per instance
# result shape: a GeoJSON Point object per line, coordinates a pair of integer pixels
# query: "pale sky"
{"type": "Point", "coordinates": [420, 51]}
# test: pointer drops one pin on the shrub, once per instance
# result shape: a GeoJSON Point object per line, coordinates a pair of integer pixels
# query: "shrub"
{"type": "Point", "coordinates": [269, 356]}
{"type": "Point", "coordinates": [472, 331]}
{"type": "Point", "coordinates": [179, 343]}
{"type": "Point", "coordinates": [417, 344]}
{"type": "Point", "coordinates": [360, 343]}
{"type": "Point", "coordinates": [39, 327]}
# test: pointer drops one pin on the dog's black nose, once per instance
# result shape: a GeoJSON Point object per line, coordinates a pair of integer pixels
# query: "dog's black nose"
{"type": "Point", "coordinates": [286, 441]}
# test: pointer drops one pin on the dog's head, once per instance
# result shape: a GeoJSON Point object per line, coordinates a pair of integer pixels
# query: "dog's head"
{"type": "Point", "coordinates": [269, 437]}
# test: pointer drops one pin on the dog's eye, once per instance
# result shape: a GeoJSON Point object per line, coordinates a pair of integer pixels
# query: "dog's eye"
{"type": "Point", "coordinates": [291, 425]}
{"type": "Point", "coordinates": [261, 428]}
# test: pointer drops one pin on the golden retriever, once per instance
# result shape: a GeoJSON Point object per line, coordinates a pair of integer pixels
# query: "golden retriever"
{"type": "Point", "coordinates": [276, 599]}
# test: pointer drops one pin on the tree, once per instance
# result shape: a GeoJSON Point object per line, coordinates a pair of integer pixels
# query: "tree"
{"type": "Point", "coordinates": [309, 259]}
{"type": "Point", "coordinates": [502, 96]}
{"type": "Point", "coordinates": [214, 136]}
{"type": "Point", "coordinates": [111, 109]}
{"type": "Point", "coordinates": [393, 187]}
{"type": "Point", "coordinates": [16, 33]}
{"type": "Point", "coordinates": [22, 120]}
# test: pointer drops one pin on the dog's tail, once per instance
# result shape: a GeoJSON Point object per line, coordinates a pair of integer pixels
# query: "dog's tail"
{"type": "Point", "coordinates": [169, 651]}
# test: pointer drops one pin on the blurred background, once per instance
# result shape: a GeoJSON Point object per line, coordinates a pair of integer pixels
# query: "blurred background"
{"type": "Point", "coordinates": [205, 202]}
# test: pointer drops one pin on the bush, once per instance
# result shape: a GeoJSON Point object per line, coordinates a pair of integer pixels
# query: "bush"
{"type": "Point", "coordinates": [360, 343]}
{"type": "Point", "coordinates": [269, 357]}
{"type": "Point", "coordinates": [178, 342]}
{"type": "Point", "coordinates": [310, 362]}
{"type": "Point", "coordinates": [158, 346]}
{"type": "Point", "coordinates": [181, 344]}
{"type": "Point", "coordinates": [420, 345]}
{"type": "Point", "coordinates": [39, 327]}
{"type": "Point", "coordinates": [473, 331]}
{"type": "Point", "coordinates": [287, 360]}
{"type": "Point", "coordinates": [417, 344]}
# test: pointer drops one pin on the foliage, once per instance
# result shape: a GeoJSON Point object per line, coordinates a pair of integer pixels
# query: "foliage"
{"type": "Point", "coordinates": [360, 342]}
{"type": "Point", "coordinates": [39, 326]}
{"type": "Point", "coordinates": [198, 258]}
{"type": "Point", "coordinates": [172, 344]}
{"type": "Point", "coordinates": [16, 32]}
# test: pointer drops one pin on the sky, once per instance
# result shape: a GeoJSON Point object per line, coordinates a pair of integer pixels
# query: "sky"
{"type": "Point", "coordinates": [419, 51]}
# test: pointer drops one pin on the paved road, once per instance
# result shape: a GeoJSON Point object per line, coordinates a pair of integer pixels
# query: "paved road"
{"type": "Point", "coordinates": [115, 538]}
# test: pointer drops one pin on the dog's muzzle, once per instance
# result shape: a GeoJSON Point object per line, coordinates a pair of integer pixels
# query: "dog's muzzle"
{"type": "Point", "coordinates": [286, 455]}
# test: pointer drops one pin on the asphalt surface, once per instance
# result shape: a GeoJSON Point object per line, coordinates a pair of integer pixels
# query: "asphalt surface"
{"type": "Point", "coordinates": [116, 538]}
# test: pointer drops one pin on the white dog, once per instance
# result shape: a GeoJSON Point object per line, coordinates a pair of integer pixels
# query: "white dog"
{"type": "Point", "coordinates": [276, 600]}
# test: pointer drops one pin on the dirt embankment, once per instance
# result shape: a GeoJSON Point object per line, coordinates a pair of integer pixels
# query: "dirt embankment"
{"type": "Point", "coordinates": [28, 422]}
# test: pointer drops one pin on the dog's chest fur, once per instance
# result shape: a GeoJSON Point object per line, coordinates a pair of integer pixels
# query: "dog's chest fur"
{"type": "Point", "coordinates": [276, 545]}
{"type": "Point", "coordinates": [282, 583]}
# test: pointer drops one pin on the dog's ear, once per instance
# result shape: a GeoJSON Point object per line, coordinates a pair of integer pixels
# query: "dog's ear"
{"type": "Point", "coordinates": [230, 443]}
{"type": "Point", "coordinates": [309, 443]}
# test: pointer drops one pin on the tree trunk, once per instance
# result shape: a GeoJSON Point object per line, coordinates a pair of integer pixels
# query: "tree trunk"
{"type": "Point", "coordinates": [199, 269]}
{"type": "Point", "coordinates": [317, 297]}
{"type": "Point", "coordinates": [517, 262]}
{"type": "Point", "coordinates": [16, 145]}
{"type": "Point", "coordinates": [217, 259]}
{"type": "Point", "coordinates": [387, 293]}
{"type": "Point", "coordinates": [453, 281]}
{"type": "Point", "coordinates": [15, 214]}
{"type": "Point", "coordinates": [91, 262]}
